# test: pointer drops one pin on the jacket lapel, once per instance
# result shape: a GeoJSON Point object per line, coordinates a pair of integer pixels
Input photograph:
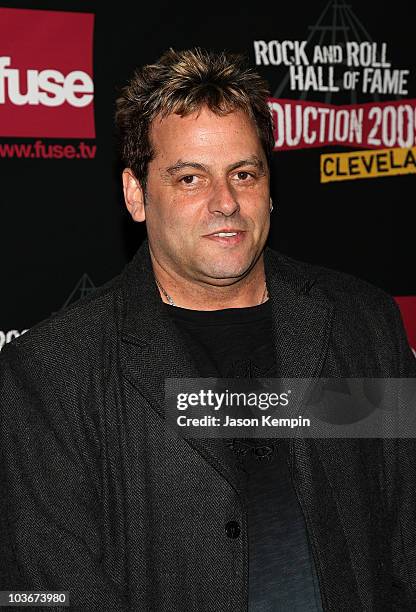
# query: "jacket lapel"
{"type": "Point", "coordinates": [301, 318]}
{"type": "Point", "coordinates": [153, 350]}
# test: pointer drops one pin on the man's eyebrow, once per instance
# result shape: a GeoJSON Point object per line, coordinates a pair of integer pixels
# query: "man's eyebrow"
{"type": "Point", "coordinates": [250, 161]}
{"type": "Point", "coordinates": [180, 165]}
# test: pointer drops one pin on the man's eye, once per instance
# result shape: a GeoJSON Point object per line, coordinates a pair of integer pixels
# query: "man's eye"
{"type": "Point", "coordinates": [243, 176]}
{"type": "Point", "coordinates": [188, 180]}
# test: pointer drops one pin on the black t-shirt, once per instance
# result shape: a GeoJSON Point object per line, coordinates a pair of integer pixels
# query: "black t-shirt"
{"type": "Point", "coordinates": [235, 343]}
{"type": "Point", "coordinates": [229, 343]}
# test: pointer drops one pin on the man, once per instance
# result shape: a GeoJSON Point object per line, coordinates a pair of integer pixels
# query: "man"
{"type": "Point", "coordinates": [98, 499]}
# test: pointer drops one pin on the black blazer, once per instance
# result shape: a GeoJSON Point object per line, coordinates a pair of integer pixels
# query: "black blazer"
{"type": "Point", "coordinates": [99, 500]}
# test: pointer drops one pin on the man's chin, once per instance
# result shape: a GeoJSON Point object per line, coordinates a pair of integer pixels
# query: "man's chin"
{"type": "Point", "coordinates": [226, 273]}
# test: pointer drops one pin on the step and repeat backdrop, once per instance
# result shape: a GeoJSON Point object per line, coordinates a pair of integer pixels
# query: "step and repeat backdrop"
{"type": "Point", "coordinates": [343, 98]}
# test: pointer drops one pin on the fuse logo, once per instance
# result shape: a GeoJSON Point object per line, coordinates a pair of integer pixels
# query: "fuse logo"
{"type": "Point", "coordinates": [48, 87]}
{"type": "Point", "coordinates": [46, 82]}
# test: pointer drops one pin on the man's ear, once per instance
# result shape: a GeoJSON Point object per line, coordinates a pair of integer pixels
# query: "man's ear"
{"type": "Point", "coordinates": [133, 195]}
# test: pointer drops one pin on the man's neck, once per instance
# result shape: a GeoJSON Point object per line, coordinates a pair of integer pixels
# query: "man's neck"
{"type": "Point", "coordinates": [196, 295]}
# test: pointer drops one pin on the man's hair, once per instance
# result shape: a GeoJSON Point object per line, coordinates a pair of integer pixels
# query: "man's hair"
{"type": "Point", "coordinates": [182, 82]}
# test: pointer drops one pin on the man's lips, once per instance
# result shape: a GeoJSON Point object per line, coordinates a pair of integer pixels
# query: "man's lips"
{"type": "Point", "coordinates": [230, 240]}
{"type": "Point", "coordinates": [225, 230]}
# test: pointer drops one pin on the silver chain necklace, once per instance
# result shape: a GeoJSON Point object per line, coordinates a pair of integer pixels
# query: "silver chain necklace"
{"type": "Point", "coordinates": [172, 303]}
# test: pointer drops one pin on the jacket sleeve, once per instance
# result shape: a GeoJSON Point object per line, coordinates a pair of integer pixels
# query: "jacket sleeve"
{"type": "Point", "coordinates": [49, 504]}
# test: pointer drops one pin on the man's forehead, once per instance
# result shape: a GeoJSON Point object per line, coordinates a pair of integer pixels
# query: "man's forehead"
{"type": "Point", "coordinates": [200, 118]}
{"type": "Point", "coordinates": [201, 111]}
{"type": "Point", "coordinates": [205, 128]}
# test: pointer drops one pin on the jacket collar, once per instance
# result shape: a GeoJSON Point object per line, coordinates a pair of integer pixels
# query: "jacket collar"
{"type": "Point", "coordinates": [301, 319]}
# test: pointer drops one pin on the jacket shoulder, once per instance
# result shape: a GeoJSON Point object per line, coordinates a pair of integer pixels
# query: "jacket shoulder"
{"type": "Point", "coordinates": [337, 286]}
{"type": "Point", "coordinates": [366, 318]}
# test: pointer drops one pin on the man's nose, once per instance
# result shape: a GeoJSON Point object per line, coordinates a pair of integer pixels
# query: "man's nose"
{"type": "Point", "coordinates": [223, 199]}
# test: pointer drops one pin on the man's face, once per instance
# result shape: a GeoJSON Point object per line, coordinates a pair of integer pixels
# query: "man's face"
{"type": "Point", "coordinates": [209, 175]}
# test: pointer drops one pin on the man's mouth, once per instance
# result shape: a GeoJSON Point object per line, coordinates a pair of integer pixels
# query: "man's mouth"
{"type": "Point", "coordinates": [225, 231]}
{"type": "Point", "coordinates": [227, 236]}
